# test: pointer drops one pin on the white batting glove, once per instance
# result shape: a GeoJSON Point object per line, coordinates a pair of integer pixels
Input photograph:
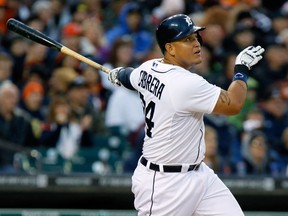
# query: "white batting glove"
{"type": "Point", "coordinates": [112, 76]}
{"type": "Point", "coordinates": [250, 56]}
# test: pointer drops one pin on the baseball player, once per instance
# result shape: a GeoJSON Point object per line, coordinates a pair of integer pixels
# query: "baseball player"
{"type": "Point", "coordinates": [171, 178]}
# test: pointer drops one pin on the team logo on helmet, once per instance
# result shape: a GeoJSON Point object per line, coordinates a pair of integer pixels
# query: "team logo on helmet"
{"type": "Point", "coordinates": [188, 20]}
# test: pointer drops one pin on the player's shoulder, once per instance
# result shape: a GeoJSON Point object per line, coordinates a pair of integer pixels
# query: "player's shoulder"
{"type": "Point", "coordinates": [181, 73]}
{"type": "Point", "coordinates": [183, 80]}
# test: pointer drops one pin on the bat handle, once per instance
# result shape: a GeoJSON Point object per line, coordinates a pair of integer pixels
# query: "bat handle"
{"type": "Point", "coordinates": [84, 59]}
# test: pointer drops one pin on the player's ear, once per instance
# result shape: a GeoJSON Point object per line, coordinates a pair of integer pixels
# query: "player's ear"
{"type": "Point", "coordinates": [170, 48]}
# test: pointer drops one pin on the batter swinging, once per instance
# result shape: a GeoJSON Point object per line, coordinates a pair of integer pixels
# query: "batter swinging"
{"type": "Point", "coordinates": [171, 179]}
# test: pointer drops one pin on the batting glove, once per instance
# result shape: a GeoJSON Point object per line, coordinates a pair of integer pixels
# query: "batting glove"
{"type": "Point", "coordinates": [113, 76]}
{"type": "Point", "coordinates": [249, 56]}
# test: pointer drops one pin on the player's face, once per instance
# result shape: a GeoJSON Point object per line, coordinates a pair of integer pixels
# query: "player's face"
{"type": "Point", "coordinates": [187, 51]}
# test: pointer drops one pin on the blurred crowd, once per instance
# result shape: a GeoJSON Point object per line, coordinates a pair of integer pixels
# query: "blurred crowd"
{"type": "Point", "coordinates": [58, 114]}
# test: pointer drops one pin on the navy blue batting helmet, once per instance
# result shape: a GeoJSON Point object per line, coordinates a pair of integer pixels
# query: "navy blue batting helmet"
{"type": "Point", "coordinates": [174, 28]}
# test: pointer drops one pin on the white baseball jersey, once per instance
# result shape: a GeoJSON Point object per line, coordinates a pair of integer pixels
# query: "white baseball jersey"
{"type": "Point", "coordinates": [175, 101]}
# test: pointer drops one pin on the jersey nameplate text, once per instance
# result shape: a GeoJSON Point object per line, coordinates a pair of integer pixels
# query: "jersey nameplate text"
{"type": "Point", "coordinates": [150, 83]}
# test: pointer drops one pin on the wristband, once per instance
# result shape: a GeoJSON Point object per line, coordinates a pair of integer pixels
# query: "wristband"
{"type": "Point", "coordinates": [240, 73]}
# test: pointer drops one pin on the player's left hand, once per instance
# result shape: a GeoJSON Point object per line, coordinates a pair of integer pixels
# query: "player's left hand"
{"type": "Point", "coordinates": [250, 56]}
{"type": "Point", "coordinates": [112, 76]}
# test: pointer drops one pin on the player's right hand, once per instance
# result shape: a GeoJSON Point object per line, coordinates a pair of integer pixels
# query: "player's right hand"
{"type": "Point", "coordinates": [250, 56]}
{"type": "Point", "coordinates": [113, 76]}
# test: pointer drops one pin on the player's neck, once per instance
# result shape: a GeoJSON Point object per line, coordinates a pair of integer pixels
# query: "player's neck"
{"type": "Point", "coordinates": [166, 61]}
{"type": "Point", "coordinates": [174, 62]}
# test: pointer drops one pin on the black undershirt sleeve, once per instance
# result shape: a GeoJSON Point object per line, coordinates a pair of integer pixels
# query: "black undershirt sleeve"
{"type": "Point", "coordinates": [124, 77]}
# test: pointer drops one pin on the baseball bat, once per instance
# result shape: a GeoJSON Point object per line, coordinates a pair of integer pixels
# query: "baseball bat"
{"type": "Point", "coordinates": [37, 36]}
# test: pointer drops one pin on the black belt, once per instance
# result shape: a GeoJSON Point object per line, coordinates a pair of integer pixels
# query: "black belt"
{"type": "Point", "coordinates": [168, 168]}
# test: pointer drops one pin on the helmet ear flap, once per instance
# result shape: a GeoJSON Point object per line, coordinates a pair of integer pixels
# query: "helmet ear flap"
{"type": "Point", "coordinates": [199, 38]}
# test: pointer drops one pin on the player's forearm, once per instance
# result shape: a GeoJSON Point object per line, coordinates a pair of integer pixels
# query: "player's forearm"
{"type": "Point", "coordinates": [231, 101]}
{"type": "Point", "coordinates": [237, 91]}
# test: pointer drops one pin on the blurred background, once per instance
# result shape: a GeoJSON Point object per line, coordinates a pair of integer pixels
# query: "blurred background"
{"type": "Point", "coordinates": [70, 140]}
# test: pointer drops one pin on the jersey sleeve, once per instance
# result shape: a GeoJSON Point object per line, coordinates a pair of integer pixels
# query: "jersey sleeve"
{"type": "Point", "coordinates": [124, 77]}
{"type": "Point", "coordinates": [192, 93]}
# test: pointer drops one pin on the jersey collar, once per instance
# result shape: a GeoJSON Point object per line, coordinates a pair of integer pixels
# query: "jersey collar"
{"type": "Point", "coordinates": [160, 67]}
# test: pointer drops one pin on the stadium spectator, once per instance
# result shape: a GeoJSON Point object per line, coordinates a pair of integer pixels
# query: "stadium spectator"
{"type": "Point", "coordinates": [60, 80]}
{"type": "Point", "coordinates": [279, 22]}
{"type": "Point", "coordinates": [121, 55]}
{"type": "Point", "coordinates": [251, 103]}
{"type": "Point", "coordinates": [274, 67]}
{"type": "Point", "coordinates": [212, 158]}
{"type": "Point", "coordinates": [31, 101]}
{"type": "Point", "coordinates": [32, 97]}
{"type": "Point", "coordinates": [17, 49]}
{"type": "Point", "coordinates": [282, 37]}
{"type": "Point", "coordinates": [124, 117]}
{"type": "Point", "coordinates": [166, 9]}
{"type": "Point", "coordinates": [6, 64]}
{"type": "Point", "coordinates": [228, 138]}
{"type": "Point", "coordinates": [253, 121]}
{"type": "Point", "coordinates": [93, 42]}
{"type": "Point", "coordinates": [94, 7]}
{"type": "Point", "coordinates": [15, 127]}
{"type": "Point", "coordinates": [208, 68]}
{"type": "Point", "coordinates": [275, 112]}
{"type": "Point", "coordinates": [38, 73]}
{"type": "Point", "coordinates": [256, 161]}
{"type": "Point", "coordinates": [79, 12]}
{"type": "Point", "coordinates": [61, 15]}
{"type": "Point", "coordinates": [70, 37]}
{"type": "Point", "coordinates": [98, 94]}
{"type": "Point", "coordinates": [43, 10]}
{"type": "Point", "coordinates": [61, 132]}
{"type": "Point", "coordinates": [242, 36]}
{"type": "Point", "coordinates": [82, 111]}
{"type": "Point", "coordinates": [155, 52]}
{"type": "Point", "coordinates": [36, 54]}
{"type": "Point", "coordinates": [130, 163]}
{"type": "Point", "coordinates": [216, 20]}
{"type": "Point", "coordinates": [8, 9]}
{"type": "Point", "coordinates": [131, 22]}
{"type": "Point", "coordinates": [227, 61]}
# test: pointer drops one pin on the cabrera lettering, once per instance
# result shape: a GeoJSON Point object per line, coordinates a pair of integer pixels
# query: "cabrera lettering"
{"type": "Point", "coordinates": [151, 84]}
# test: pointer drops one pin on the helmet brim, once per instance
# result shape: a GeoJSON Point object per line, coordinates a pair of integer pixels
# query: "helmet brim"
{"type": "Point", "coordinates": [199, 28]}
{"type": "Point", "coordinates": [184, 34]}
